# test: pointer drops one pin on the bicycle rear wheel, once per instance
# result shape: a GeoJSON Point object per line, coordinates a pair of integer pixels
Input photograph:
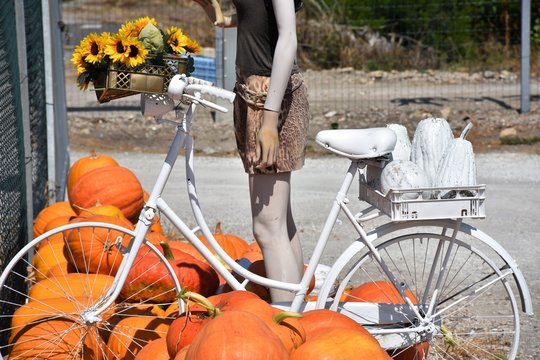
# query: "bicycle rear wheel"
{"type": "Point", "coordinates": [475, 313]}
{"type": "Point", "coordinates": [49, 290]}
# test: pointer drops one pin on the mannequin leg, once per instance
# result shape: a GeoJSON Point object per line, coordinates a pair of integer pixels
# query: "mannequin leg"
{"type": "Point", "coordinates": [274, 229]}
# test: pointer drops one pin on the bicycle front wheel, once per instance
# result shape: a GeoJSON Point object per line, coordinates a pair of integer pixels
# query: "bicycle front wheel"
{"type": "Point", "coordinates": [464, 294]}
{"type": "Point", "coordinates": [51, 289]}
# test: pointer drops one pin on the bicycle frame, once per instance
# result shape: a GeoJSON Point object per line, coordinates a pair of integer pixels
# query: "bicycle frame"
{"type": "Point", "coordinates": [184, 140]}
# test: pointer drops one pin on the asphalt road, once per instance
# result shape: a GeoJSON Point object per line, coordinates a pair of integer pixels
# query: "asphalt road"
{"type": "Point", "coordinates": [512, 206]}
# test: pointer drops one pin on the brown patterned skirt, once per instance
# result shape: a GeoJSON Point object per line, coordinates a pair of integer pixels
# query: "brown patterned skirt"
{"type": "Point", "coordinates": [293, 123]}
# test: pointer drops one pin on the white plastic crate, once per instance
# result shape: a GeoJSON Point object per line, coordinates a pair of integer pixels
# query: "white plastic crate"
{"type": "Point", "coordinates": [427, 203]}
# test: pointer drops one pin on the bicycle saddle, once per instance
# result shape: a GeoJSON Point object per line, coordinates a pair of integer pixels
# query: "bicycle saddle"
{"type": "Point", "coordinates": [358, 143]}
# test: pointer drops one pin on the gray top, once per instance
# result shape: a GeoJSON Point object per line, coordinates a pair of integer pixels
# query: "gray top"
{"type": "Point", "coordinates": [257, 36]}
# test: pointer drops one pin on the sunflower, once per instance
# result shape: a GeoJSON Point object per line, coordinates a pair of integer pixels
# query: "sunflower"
{"type": "Point", "coordinates": [140, 23]}
{"type": "Point", "coordinates": [176, 40]}
{"type": "Point", "coordinates": [136, 54]}
{"type": "Point", "coordinates": [78, 60]}
{"type": "Point", "coordinates": [192, 46]}
{"type": "Point", "coordinates": [127, 50]}
{"type": "Point", "coordinates": [92, 48]}
{"type": "Point", "coordinates": [116, 48]}
{"type": "Point", "coordinates": [128, 29]}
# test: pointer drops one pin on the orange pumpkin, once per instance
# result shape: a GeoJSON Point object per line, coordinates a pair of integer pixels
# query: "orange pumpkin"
{"type": "Point", "coordinates": [233, 245]}
{"type": "Point", "coordinates": [148, 278]}
{"type": "Point", "coordinates": [132, 333]}
{"type": "Point", "coordinates": [109, 185]}
{"type": "Point", "coordinates": [109, 210]}
{"type": "Point", "coordinates": [181, 355]}
{"type": "Point", "coordinates": [86, 164]}
{"type": "Point", "coordinates": [188, 248]}
{"type": "Point", "coordinates": [319, 321]}
{"type": "Point", "coordinates": [184, 328]}
{"type": "Point", "coordinates": [124, 310]}
{"type": "Point", "coordinates": [96, 249]}
{"type": "Point", "coordinates": [35, 310]}
{"type": "Point", "coordinates": [71, 285]}
{"type": "Point", "coordinates": [384, 292]}
{"type": "Point", "coordinates": [252, 253]}
{"type": "Point", "coordinates": [154, 350]}
{"type": "Point", "coordinates": [236, 334]}
{"type": "Point", "coordinates": [71, 341]}
{"type": "Point", "coordinates": [200, 311]}
{"type": "Point", "coordinates": [47, 257]}
{"type": "Point", "coordinates": [53, 224]}
{"type": "Point", "coordinates": [62, 208]}
{"type": "Point", "coordinates": [340, 344]}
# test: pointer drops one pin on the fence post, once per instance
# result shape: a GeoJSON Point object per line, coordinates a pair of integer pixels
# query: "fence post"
{"type": "Point", "coordinates": [57, 139]}
{"type": "Point", "coordinates": [225, 64]}
{"type": "Point", "coordinates": [525, 55]}
{"type": "Point", "coordinates": [25, 112]}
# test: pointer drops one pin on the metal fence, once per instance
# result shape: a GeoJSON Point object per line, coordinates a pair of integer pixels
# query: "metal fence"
{"type": "Point", "coordinates": [361, 76]}
{"type": "Point", "coordinates": [26, 130]}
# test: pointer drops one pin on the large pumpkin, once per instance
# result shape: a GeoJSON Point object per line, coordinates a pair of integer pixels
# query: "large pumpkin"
{"type": "Point", "coordinates": [340, 344]}
{"type": "Point", "coordinates": [233, 245]}
{"type": "Point", "coordinates": [148, 278]}
{"type": "Point", "coordinates": [57, 339]}
{"type": "Point", "coordinates": [96, 249]}
{"type": "Point", "coordinates": [62, 208]}
{"type": "Point", "coordinates": [47, 257]}
{"type": "Point", "coordinates": [154, 350]}
{"type": "Point", "coordinates": [131, 334]}
{"type": "Point", "coordinates": [200, 311]}
{"type": "Point", "coordinates": [319, 321]}
{"type": "Point", "coordinates": [236, 334]}
{"type": "Point", "coordinates": [35, 310]}
{"type": "Point", "coordinates": [71, 285]}
{"type": "Point", "coordinates": [384, 292]}
{"type": "Point", "coordinates": [184, 328]}
{"type": "Point", "coordinates": [109, 185]}
{"type": "Point", "coordinates": [86, 164]}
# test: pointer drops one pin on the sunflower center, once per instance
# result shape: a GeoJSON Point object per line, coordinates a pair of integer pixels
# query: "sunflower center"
{"type": "Point", "coordinates": [120, 47]}
{"type": "Point", "coordinates": [94, 49]}
{"type": "Point", "coordinates": [133, 51]}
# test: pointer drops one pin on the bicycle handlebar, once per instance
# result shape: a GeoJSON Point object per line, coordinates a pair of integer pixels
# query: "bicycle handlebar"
{"type": "Point", "coordinates": [181, 85]}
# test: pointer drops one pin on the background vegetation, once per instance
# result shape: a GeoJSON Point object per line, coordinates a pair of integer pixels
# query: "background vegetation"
{"type": "Point", "coordinates": [415, 34]}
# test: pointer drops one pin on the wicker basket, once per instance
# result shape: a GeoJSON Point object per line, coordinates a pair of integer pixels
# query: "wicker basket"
{"type": "Point", "coordinates": [120, 81]}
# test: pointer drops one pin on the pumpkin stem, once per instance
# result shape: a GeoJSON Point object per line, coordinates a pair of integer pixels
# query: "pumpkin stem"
{"type": "Point", "coordinates": [93, 154]}
{"type": "Point", "coordinates": [218, 228]}
{"type": "Point", "coordinates": [213, 311]}
{"type": "Point", "coordinates": [278, 319]}
{"type": "Point", "coordinates": [167, 252]}
{"type": "Point", "coordinates": [466, 130]}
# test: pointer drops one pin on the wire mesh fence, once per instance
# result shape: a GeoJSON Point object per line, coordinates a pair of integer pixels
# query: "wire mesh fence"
{"type": "Point", "coordinates": [391, 54]}
{"type": "Point", "coordinates": [12, 177]}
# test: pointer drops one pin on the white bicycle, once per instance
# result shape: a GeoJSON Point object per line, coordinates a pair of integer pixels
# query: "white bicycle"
{"type": "Point", "coordinates": [443, 288]}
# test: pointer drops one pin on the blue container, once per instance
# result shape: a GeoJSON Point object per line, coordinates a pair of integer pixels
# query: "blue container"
{"type": "Point", "coordinates": [205, 68]}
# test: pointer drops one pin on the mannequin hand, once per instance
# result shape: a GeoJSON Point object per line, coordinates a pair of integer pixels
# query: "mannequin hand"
{"type": "Point", "coordinates": [267, 146]}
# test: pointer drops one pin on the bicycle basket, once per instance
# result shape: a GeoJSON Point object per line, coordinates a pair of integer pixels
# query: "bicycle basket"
{"type": "Point", "coordinates": [426, 203]}
{"type": "Point", "coordinates": [154, 76]}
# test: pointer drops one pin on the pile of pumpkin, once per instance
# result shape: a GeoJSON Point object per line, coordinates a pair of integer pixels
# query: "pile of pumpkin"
{"type": "Point", "coordinates": [434, 158]}
{"type": "Point", "coordinates": [218, 322]}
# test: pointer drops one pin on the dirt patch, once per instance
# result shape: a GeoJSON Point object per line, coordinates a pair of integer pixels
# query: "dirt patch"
{"type": "Point", "coordinates": [130, 131]}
